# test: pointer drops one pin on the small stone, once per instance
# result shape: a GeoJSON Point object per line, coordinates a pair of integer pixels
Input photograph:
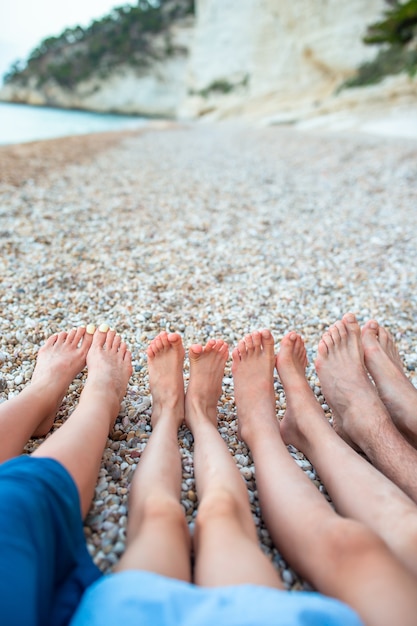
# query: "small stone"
{"type": "Point", "coordinates": [119, 548]}
{"type": "Point", "coordinates": [191, 495]}
{"type": "Point", "coordinates": [115, 473]}
{"type": "Point", "coordinates": [246, 473]}
{"type": "Point", "coordinates": [287, 577]}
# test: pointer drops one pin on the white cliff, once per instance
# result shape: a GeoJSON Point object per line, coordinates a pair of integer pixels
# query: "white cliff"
{"type": "Point", "coordinates": [237, 58]}
{"type": "Point", "coordinates": [279, 54]}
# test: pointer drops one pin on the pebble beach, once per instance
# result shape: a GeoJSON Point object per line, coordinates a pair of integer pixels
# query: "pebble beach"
{"type": "Point", "coordinates": [211, 230]}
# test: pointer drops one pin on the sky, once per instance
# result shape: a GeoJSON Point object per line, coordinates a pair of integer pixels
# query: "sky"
{"type": "Point", "coordinates": [24, 23]}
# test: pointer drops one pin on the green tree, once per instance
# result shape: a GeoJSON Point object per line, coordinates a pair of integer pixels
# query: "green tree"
{"type": "Point", "coordinates": [399, 25]}
{"type": "Point", "coordinates": [124, 36]}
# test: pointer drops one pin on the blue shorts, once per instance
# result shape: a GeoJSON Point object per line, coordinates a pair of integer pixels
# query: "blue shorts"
{"type": "Point", "coordinates": [44, 563]}
{"type": "Point", "coordinates": [146, 599]}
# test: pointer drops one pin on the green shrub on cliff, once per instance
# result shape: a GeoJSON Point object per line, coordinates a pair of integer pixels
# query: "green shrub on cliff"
{"type": "Point", "coordinates": [397, 33]}
{"type": "Point", "coordinates": [399, 25]}
{"type": "Point", "coordinates": [124, 36]}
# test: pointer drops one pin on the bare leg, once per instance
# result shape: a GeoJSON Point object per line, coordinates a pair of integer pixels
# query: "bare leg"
{"type": "Point", "coordinates": [395, 389]}
{"type": "Point", "coordinates": [357, 489]}
{"type": "Point", "coordinates": [158, 539]}
{"type": "Point", "coordinates": [340, 557]}
{"type": "Point", "coordinates": [358, 410]}
{"type": "Point", "coordinates": [78, 445]}
{"type": "Point", "coordinates": [225, 541]}
{"type": "Point", "coordinates": [33, 411]}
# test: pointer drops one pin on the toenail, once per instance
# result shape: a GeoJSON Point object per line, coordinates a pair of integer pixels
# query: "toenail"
{"type": "Point", "coordinates": [91, 329]}
{"type": "Point", "coordinates": [103, 328]}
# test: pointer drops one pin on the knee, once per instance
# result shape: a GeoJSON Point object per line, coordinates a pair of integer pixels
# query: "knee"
{"type": "Point", "coordinates": [348, 541]}
{"type": "Point", "coordinates": [157, 510]}
{"type": "Point", "coordinates": [218, 506]}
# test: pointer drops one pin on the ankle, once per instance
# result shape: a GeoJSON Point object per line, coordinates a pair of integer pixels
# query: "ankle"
{"type": "Point", "coordinates": [200, 409]}
{"type": "Point", "coordinates": [252, 431]}
{"type": "Point", "coordinates": [105, 400]}
{"type": "Point", "coordinates": [367, 433]}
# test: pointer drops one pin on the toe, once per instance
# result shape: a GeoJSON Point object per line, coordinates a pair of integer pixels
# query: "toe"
{"type": "Point", "coordinates": [326, 344]}
{"type": "Point", "coordinates": [249, 343]}
{"type": "Point", "coordinates": [370, 332]}
{"type": "Point", "coordinates": [195, 351]}
{"type": "Point", "coordinates": [71, 336]}
{"type": "Point", "coordinates": [351, 324]}
{"type": "Point", "coordinates": [61, 337]}
{"type": "Point", "coordinates": [86, 340]}
{"type": "Point", "coordinates": [267, 338]}
{"type": "Point", "coordinates": [342, 330]}
{"type": "Point", "coordinates": [235, 356]}
{"type": "Point", "coordinates": [78, 335]}
{"type": "Point", "coordinates": [384, 337]}
{"type": "Point", "coordinates": [174, 339]}
{"type": "Point", "coordinates": [111, 334]}
{"type": "Point", "coordinates": [164, 339]}
{"type": "Point", "coordinates": [117, 342]}
{"type": "Point", "coordinates": [210, 345]}
{"type": "Point", "coordinates": [223, 348]}
{"type": "Point", "coordinates": [158, 345]}
{"type": "Point", "coordinates": [99, 338]}
{"type": "Point", "coordinates": [241, 346]}
{"type": "Point", "coordinates": [51, 341]}
{"type": "Point", "coordinates": [256, 339]}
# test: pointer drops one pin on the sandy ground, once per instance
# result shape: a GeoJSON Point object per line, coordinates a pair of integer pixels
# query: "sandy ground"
{"type": "Point", "coordinates": [212, 231]}
{"type": "Point", "coordinates": [33, 161]}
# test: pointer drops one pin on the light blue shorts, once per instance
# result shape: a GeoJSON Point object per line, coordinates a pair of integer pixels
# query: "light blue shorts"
{"type": "Point", "coordinates": [140, 598]}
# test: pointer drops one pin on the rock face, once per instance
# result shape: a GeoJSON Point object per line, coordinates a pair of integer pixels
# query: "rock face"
{"type": "Point", "coordinates": [257, 58]}
{"type": "Point", "coordinates": [273, 54]}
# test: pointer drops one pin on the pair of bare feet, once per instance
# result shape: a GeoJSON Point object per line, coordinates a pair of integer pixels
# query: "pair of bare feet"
{"type": "Point", "coordinates": [360, 407]}
{"type": "Point", "coordinates": [64, 356]}
{"type": "Point", "coordinates": [166, 362]}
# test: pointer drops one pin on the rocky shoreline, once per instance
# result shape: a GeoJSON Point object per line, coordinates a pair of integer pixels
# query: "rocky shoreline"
{"type": "Point", "coordinates": [212, 231]}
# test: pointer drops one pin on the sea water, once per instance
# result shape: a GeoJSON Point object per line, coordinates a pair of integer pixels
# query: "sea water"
{"type": "Point", "coordinates": [21, 123]}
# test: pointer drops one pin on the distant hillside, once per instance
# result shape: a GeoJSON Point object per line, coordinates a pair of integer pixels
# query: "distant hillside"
{"type": "Point", "coordinates": [124, 37]}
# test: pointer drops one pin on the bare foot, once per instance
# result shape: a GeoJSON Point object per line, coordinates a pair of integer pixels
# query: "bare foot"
{"type": "Point", "coordinates": [253, 374]}
{"type": "Point", "coordinates": [166, 363]}
{"type": "Point", "coordinates": [109, 365]}
{"type": "Point", "coordinates": [340, 365]}
{"type": "Point", "coordinates": [303, 409]}
{"type": "Point", "coordinates": [59, 360]}
{"type": "Point", "coordinates": [383, 362]}
{"type": "Point", "coordinates": [206, 377]}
